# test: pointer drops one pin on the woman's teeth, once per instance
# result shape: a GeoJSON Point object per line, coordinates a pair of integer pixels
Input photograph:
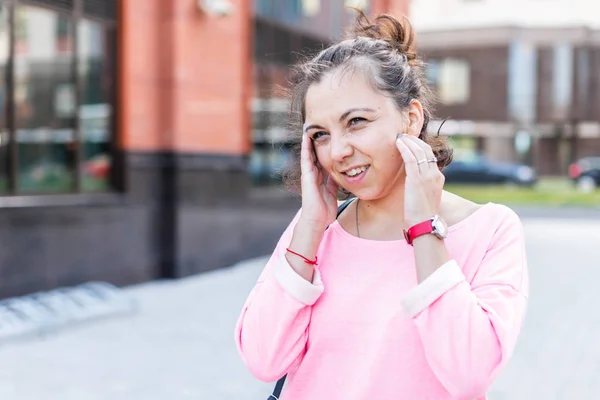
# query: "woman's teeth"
{"type": "Point", "coordinates": [356, 171]}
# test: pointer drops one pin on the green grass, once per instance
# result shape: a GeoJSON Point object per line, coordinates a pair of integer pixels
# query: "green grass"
{"type": "Point", "coordinates": [548, 192]}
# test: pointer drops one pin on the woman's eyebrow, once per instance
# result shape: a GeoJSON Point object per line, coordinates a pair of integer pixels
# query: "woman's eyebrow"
{"type": "Point", "coordinates": [312, 126]}
{"type": "Point", "coordinates": [342, 117]}
{"type": "Point", "coordinates": [350, 111]}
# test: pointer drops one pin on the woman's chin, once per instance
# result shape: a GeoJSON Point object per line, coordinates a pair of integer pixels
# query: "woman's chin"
{"type": "Point", "coordinates": [367, 194]}
{"type": "Point", "coordinates": [369, 190]}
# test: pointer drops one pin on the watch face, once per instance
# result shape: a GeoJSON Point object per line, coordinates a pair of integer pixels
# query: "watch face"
{"type": "Point", "coordinates": [440, 227]}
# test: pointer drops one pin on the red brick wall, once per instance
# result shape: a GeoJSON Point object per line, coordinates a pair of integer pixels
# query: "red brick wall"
{"type": "Point", "coordinates": [185, 77]}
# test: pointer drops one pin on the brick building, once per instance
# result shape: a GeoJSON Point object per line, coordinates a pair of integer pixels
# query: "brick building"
{"type": "Point", "coordinates": [129, 130]}
{"type": "Point", "coordinates": [505, 77]}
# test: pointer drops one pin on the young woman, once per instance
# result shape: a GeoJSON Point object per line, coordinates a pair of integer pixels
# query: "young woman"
{"type": "Point", "coordinates": [413, 292]}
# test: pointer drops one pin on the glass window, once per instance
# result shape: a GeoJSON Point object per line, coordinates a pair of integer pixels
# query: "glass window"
{"type": "Point", "coordinates": [311, 7]}
{"type": "Point", "coordinates": [432, 73]}
{"type": "Point", "coordinates": [4, 55]}
{"type": "Point", "coordinates": [264, 8]}
{"type": "Point", "coordinates": [49, 92]}
{"type": "Point", "coordinates": [522, 79]}
{"type": "Point", "coordinates": [450, 79]}
{"type": "Point", "coordinates": [291, 10]}
{"type": "Point", "coordinates": [288, 11]}
{"type": "Point", "coordinates": [562, 89]}
{"type": "Point", "coordinates": [361, 4]}
{"type": "Point", "coordinates": [44, 102]}
{"type": "Point", "coordinates": [64, 34]}
{"type": "Point", "coordinates": [95, 113]}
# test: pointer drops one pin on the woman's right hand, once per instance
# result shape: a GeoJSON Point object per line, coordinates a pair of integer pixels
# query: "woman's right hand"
{"type": "Point", "coordinates": [319, 191]}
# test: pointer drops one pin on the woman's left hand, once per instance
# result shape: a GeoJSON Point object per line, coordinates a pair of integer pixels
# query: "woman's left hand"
{"type": "Point", "coordinates": [424, 180]}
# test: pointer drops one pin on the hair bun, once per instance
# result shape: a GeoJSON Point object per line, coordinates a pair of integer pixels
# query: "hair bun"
{"type": "Point", "coordinates": [399, 35]}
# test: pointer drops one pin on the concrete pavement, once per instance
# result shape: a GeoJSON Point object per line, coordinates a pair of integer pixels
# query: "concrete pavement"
{"type": "Point", "coordinates": [180, 343]}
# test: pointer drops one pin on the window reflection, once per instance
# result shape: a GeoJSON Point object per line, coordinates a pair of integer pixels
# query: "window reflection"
{"type": "Point", "coordinates": [95, 112]}
{"type": "Point", "coordinates": [361, 4]}
{"type": "Point", "coordinates": [44, 97]}
{"type": "Point", "coordinates": [4, 54]}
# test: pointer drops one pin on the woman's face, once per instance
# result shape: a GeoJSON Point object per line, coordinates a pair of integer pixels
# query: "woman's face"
{"type": "Point", "coordinates": [353, 129]}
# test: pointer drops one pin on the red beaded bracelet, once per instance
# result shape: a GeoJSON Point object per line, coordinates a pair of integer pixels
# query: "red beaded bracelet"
{"type": "Point", "coordinates": [306, 260]}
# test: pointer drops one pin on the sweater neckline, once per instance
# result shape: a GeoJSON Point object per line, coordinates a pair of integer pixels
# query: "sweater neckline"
{"type": "Point", "coordinates": [336, 226]}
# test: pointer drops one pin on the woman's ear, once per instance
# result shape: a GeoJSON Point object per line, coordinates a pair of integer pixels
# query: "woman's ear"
{"type": "Point", "coordinates": [415, 118]}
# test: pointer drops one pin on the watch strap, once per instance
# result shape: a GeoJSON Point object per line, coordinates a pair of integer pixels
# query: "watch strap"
{"type": "Point", "coordinates": [420, 229]}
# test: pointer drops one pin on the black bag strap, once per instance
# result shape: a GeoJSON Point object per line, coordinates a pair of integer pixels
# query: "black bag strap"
{"type": "Point", "coordinates": [344, 205]}
{"type": "Point", "coordinates": [278, 388]}
{"type": "Point", "coordinates": [281, 381]}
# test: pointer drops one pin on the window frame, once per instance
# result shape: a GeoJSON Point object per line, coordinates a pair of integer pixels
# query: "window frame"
{"type": "Point", "coordinates": [76, 15]}
{"type": "Point", "coordinates": [437, 74]}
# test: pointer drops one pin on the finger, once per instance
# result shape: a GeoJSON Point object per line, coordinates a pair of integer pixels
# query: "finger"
{"type": "Point", "coordinates": [410, 161]}
{"type": "Point", "coordinates": [418, 153]}
{"type": "Point", "coordinates": [306, 157]}
{"type": "Point", "coordinates": [332, 186]}
{"type": "Point", "coordinates": [415, 148]}
{"type": "Point", "coordinates": [427, 152]}
{"type": "Point", "coordinates": [424, 146]}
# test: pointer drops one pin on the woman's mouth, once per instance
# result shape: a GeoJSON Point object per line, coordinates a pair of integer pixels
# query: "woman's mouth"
{"type": "Point", "coordinates": [356, 174]}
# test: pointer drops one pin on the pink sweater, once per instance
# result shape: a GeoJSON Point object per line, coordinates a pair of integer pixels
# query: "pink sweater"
{"type": "Point", "coordinates": [364, 328]}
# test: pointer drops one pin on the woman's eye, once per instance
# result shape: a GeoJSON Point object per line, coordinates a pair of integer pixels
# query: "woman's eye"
{"type": "Point", "coordinates": [318, 135]}
{"type": "Point", "coordinates": [356, 121]}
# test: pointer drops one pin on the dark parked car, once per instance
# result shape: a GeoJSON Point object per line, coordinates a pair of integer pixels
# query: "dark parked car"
{"type": "Point", "coordinates": [478, 169]}
{"type": "Point", "coordinates": [585, 173]}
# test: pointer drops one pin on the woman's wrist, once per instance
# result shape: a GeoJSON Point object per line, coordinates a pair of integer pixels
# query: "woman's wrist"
{"type": "Point", "coordinates": [310, 226]}
{"type": "Point", "coordinates": [305, 242]}
{"type": "Point", "coordinates": [421, 217]}
{"type": "Point", "coordinates": [430, 253]}
{"type": "Point", "coordinates": [306, 238]}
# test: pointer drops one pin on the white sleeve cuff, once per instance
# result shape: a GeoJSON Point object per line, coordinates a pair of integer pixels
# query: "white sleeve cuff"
{"type": "Point", "coordinates": [432, 288]}
{"type": "Point", "coordinates": [298, 287]}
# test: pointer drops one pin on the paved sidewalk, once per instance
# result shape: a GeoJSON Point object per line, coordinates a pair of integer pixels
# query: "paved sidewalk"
{"type": "Point", "coordinates": [178, 346]}
{"type": "Point", "coordinates": [180, 343]}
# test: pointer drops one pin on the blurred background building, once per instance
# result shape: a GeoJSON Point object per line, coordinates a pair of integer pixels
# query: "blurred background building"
{"type": "Point", "coordinates": [518, 78]}
{"type": "Point", "coordinates": [142, 139]}
{"type": "Point", "coordinates": [134, 133]}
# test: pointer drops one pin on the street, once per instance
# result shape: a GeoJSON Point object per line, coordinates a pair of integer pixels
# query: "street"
{"type": "Point", "coordinates": [179, 345]}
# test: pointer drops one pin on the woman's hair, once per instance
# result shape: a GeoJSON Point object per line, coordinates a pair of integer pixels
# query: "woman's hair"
{"type": "Point", "coordinates": [384, 49]}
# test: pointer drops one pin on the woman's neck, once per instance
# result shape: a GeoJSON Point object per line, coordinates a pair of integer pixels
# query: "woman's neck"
{"type": "Point", "coordinates": [385, 213]}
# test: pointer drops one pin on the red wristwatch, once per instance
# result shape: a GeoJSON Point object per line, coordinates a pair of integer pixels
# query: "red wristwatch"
{"type": "Point", "coordinates": [435, 225]}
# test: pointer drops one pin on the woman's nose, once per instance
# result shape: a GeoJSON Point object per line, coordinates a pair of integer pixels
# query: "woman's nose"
{"type": "Point", "coordinates": [340, 148]}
